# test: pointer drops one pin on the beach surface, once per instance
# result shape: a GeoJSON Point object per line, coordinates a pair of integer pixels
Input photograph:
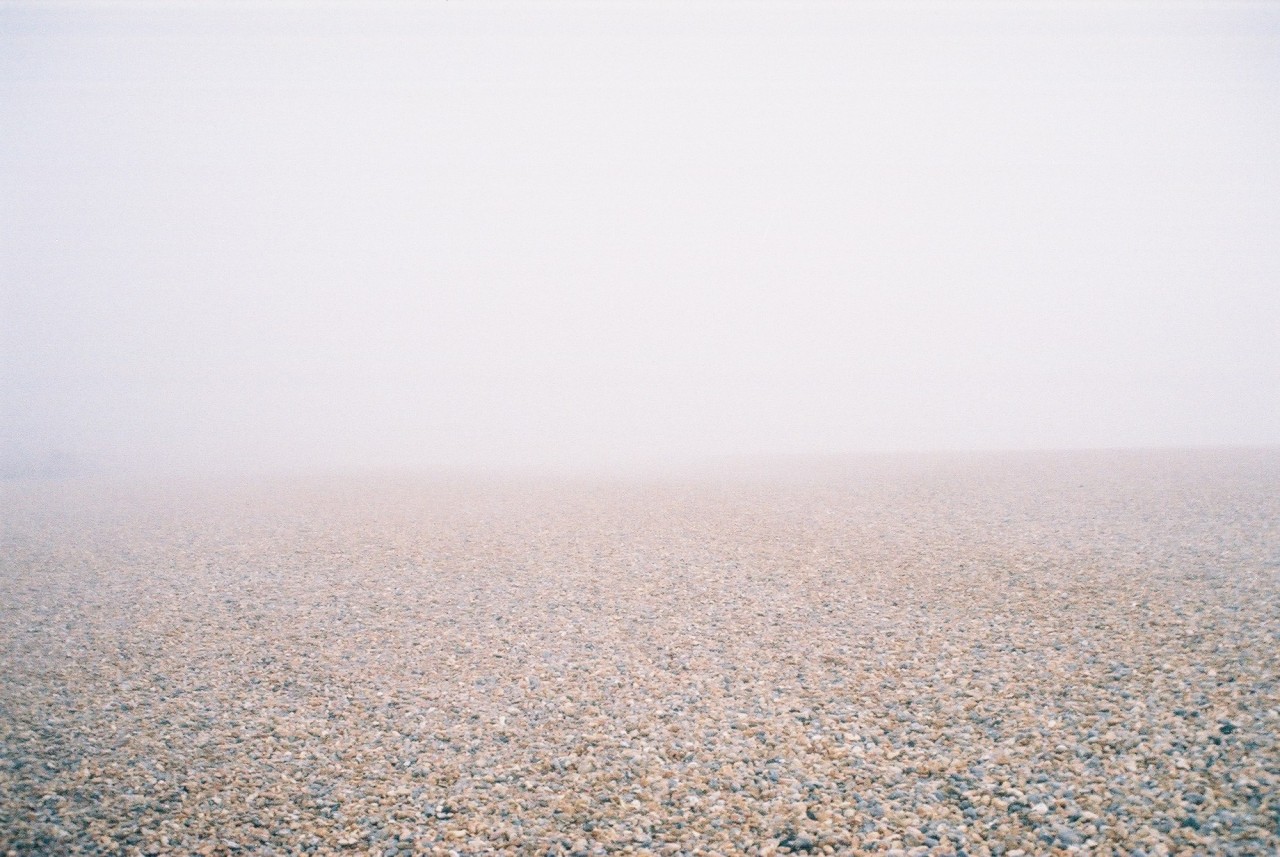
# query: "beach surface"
{"type": "Point", "coordinates": [957, 654]}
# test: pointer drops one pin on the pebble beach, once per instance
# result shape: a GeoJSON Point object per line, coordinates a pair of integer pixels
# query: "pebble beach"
{"type": "Point", "coordinates": [1014, 654]}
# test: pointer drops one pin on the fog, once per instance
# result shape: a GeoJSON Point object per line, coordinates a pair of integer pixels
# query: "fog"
{"type": "Point", "coordinates": [236, 238]}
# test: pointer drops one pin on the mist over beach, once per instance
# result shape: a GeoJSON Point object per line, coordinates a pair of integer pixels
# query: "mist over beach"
{"type": "Point", "coordinates": [639, 428]}
{"type": "Point", "coordinates": [473, 234]}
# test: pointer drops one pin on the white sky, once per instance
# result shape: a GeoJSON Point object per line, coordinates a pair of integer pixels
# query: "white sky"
{"type": "Point", "coordinates": [242, 236]}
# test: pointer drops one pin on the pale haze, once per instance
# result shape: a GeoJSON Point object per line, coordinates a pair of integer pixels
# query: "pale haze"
{"type": "Point", "coordinates": [239, 237]}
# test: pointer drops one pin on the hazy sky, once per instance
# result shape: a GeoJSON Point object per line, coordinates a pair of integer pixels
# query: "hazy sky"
{"type": "Point", "coordinates": [468, 232]}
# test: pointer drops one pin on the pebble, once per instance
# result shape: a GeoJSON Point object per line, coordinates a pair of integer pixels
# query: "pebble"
{"type": "Point", "coordinates": [979, 655]}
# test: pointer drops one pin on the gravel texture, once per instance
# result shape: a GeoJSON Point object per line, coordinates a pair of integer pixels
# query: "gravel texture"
{"type": "Point", "coordinates": [1017, 654]}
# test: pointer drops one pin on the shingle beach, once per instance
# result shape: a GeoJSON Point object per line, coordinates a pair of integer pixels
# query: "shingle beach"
{"type": "Point", "coordinates": [967, 654]}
